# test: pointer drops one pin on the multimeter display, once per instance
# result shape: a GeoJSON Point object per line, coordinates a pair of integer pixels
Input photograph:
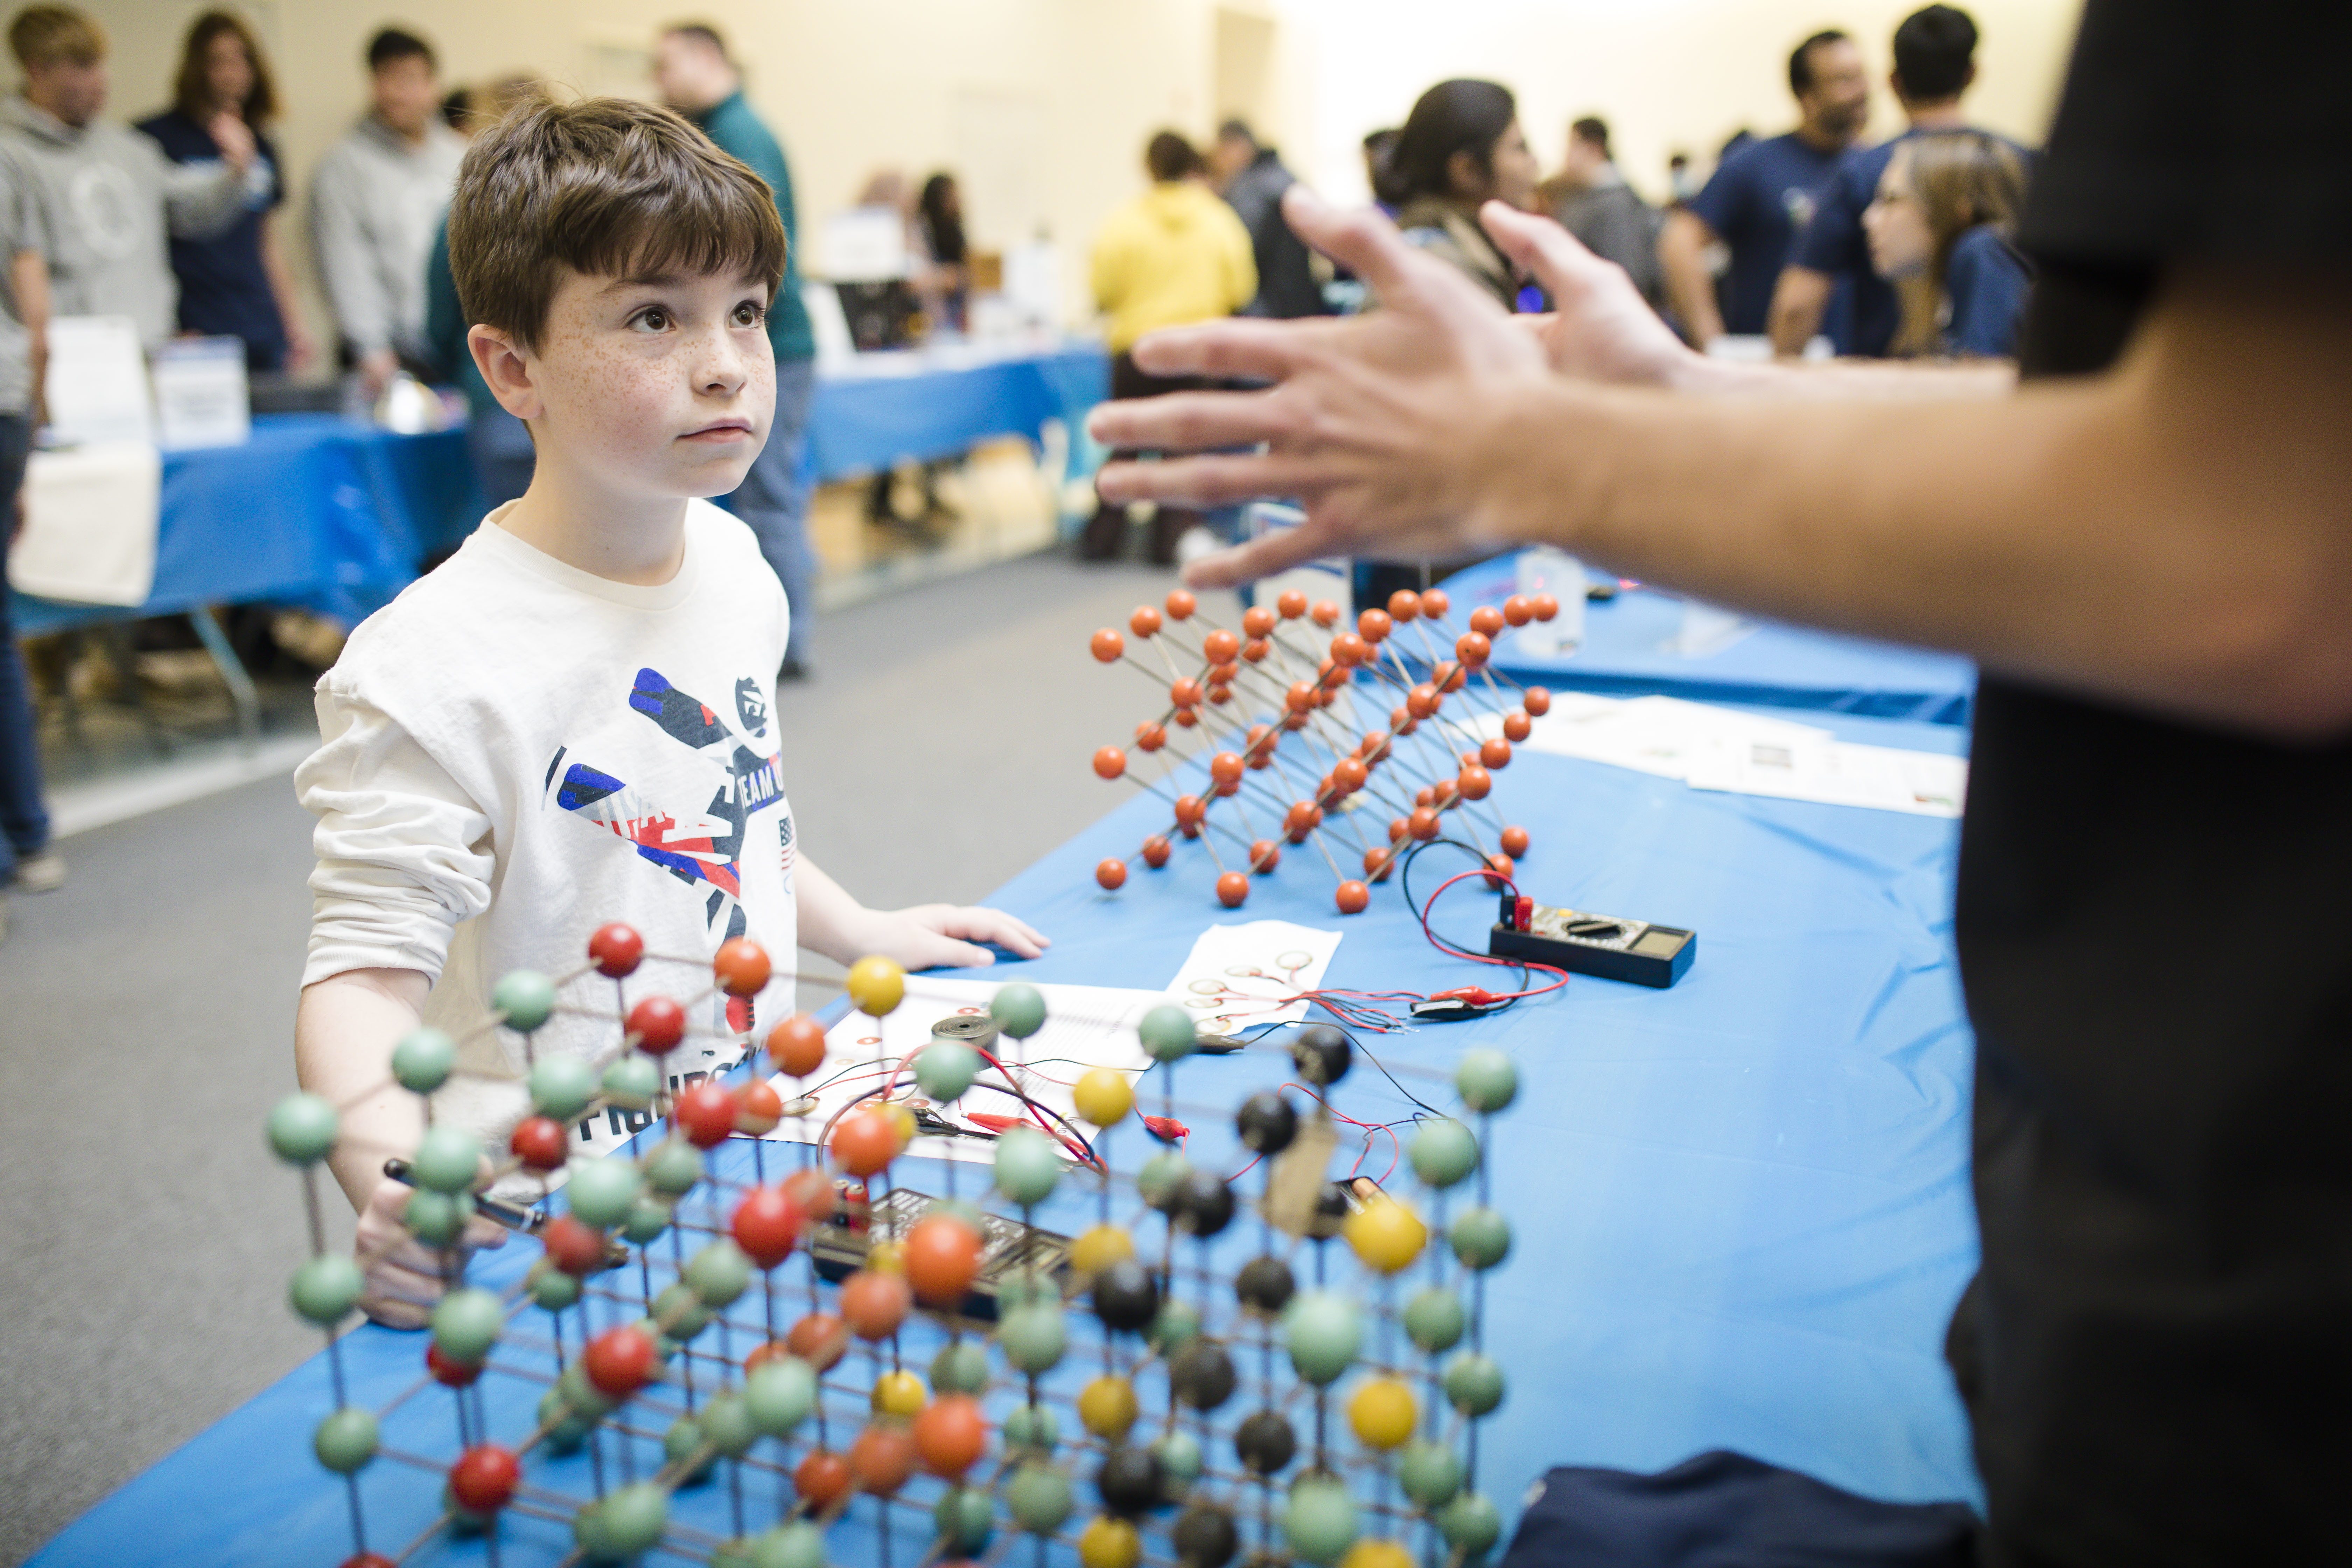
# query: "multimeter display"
{"type": "Point", "coordinates": [1608, 946]}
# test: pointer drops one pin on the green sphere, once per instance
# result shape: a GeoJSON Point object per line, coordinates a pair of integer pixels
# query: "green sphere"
{"type": "Point", "coordinates": [435, 1218]}
{"type": "Point", "coordinates": [1444, 1152]}
{"type": "Point", "coordinates": [682, 1442]}
{"type": "Point", "coordinates": [1485, 1079]}
{"type": "Point", "coordinates": [346, 1440]}
{"type": "Point", "coordinates": [565, 1431]}
{"type": "Point", "coordinates": [448, 1159]}
{"type": "Point", "coordinates": [727, 1422]}
{"type": "Point", "coordinates": [326, 1288]}
{"type": "Point", "coordinates": [798, 1544]}
{"type": "Point", "coordinates": [1433, 1318]}
{"type": "Point", "coordinates": [1026, 1166]}
{"type": "Point", "coordinates": [594, 1535]}
{"type": "Point", "coordinates": [679, 1307]}
{"type": "Point", "coordinates": [422, 1059]}
{"type": "Point", "coordinates": [966, 1518]}
{"type": "Point", "coordinates": [632, 1082]}
{"type": "Point", "coordinates": [1324, 1332]}
{"type": "Point", "coordinates": [780, 1395]}
{"type": "Point", "coordinates": [648, 1217]}
{"type": "Point", "coordinates": [1320, 1520]}
{"type": "Point", "coordinates": [562, 1087]}
{"type": "Point", "coordinates": [719, 1273]}
{"type": "Point", "coordinates": [736, 1553]}
{"type": "Point", "coordinates": [1180, 1457]}
{"type": "Point", "coordinates": [466, 1324]}
{"type": "Point", "coordinates": [1481, 1237]}
{"type": "Point", "coordinates": [1033, 1427]}
{"type": "Point", "coordinates": [1178, 1325]}
{"type": "Point", "coordinates": [1470, 1523]}
{"type": "Point", "coordinates": [1034, 1336]}
{"type": "Point", "coordinates": [1018, 1010]}
{"type": "Point", "coordinates": [634, 1517]}
{"type": "Point", "coordinates": [1157, 1180]}
{"type": "Point", "coordinates": [302, 1129]}
{"type": "Point", "coordinates": [1039, 1496]}
{"type": "Point", "coordinates": [1166, 1033]}
{"type": "Point", "coordinates": [960, 1367]}
{"type": "Point", "coordinates": [526, 997]}
{"type": "Point", "coordinates": [602, 1192]}
{"type": "Point", "coordinates": [1473, 1384]}
{"type": "Point", "coordinates": [673, 1167]}
{"type": "Point", "coordinates": [945, 1068]}
{"type": "Point", "coordinates": [555, 1289]}
{"type": "Point", "coordinates": [1020, 1289]}
{"type": "Point", "coordinates": [582, 1396]}
{"type": "Point", "coordinates": [1431, 1473]}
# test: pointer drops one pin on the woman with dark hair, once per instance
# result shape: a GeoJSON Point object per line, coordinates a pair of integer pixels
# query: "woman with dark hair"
{"type": "Point", "coordinates": [1942, 229]}
{"type": "Point", "coordinates": [938, 224]}
{"type": "Point", "coordinates": [1460, 148]}
{"type": "Point", "coordinates": [233, 283]}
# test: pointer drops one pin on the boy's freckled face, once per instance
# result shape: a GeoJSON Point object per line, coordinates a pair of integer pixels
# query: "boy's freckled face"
{"type": "Point", "coordinates": [661, 386]}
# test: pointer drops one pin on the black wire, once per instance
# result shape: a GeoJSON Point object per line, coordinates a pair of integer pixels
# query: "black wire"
{"type": "Point", "coordinates": [1404, 884]}
{"type": "Point", "coordinates": [1358, 1045]}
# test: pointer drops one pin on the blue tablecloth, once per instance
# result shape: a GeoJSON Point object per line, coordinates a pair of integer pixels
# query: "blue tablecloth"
{"type": "Point", "coordinates": [1625, 651]}
{"type": "Point", "coordinates": [925, 404]}
{"type": "Point", "coordinates": [1740, 1205]}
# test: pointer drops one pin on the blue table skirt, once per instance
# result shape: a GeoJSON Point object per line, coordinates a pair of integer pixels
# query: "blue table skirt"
{"type": "Point", "coordinates": [922, 405]}
{"type": "Point", "coordinates": [1740, 1205]}
{"type": "Point", "coordinates": [1625, 652]}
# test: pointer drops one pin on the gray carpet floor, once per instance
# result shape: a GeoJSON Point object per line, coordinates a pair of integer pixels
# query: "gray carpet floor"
{"type": "Point", "coordinates": [146, 1010]}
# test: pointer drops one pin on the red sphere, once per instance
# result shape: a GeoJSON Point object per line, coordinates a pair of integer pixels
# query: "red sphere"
{"type": "Point", "coordinates": [1404, 604]}
{"type": "Point", "coordinates": [950, 1435]}
{"type": "Point", "coordinates": [1515, 842]}
{"type": "Point", "coordinates": [1517, 726]}
{"type": "Point", "coordinates": [484, 1479]}
{"type": "Point", "coordinates": [540, 1142]}
{"type": "Point", "coordinates": [1475, 782]}
{"type": "Point", "coordinates": [1108, 646]}
{"type": "Point", "coordinates": [1518, 611]}
{"type": "Point", "coordinates": [1536, 700]}
{"type": "Point", "coordinates": [942, 1257]}
{"type": "Point", "coordinates": [820, 1339]}
{"type": "Point", "coordinates": [1546, 606]}
{"type": "Point", "coordinates": [1487, 620]}
{"type": "Point", "coordinates": [1149, 737]}
{"type": "Point", "coordinates": [883, 1457]}
{"type": "Point", "coordinates": [1225, 767]}
{"type": "Point", "coordinates": [823, 1480]}
{"type": "Point", "coordinates": [1110, 875]}
{"type": "Point", "coordinates": [1180, 604]}
{"type": "Point", "coordinates": [620, 1361]}
{"type": "Point", "coordinates": [797, 1046]}
{"type": "Point", "coordinates": [658, 1023]}
{"type": "Point", "coordinates": [875, 1304]}
{"type": "Point", "coordinates": [1353, 897]}
{"type": "Point", "coordinates": [1220, 648]}
{"type": "Point", "coordinates": [1324, 613]}
{"type": "Point", "coordinates": [864, 1142]}
{"type": "Point", "coordinates": [1109, 762]}
{"type": "Point", "coordinates": [1145, 622]}
{"type": "Point", "coordinates": [1349, 774]}
{"type": "Point", "coordinates": [1496, 752]}
{"type": "Point", "coordinates": [1257, 621]}
{"type": "Point", "coordinates": [1435, 603]}
{"type": "Point", "coordinates": [767, 1225]}
{"type": "Point", "coordinates": [616, 950]}
{"type": "Point", "coordinates": [447, 1372]}
{"type": "Point", "coordinates": [1265, 856]}
{"type": "Point", "coordinates": [1423, 824]}
{"type": "Point", "coordinates": [707, 1112]}
{"type": "Point", "coordinates": [1291, 604]}
{"type": "Point", "coordinates": [1155, 851]}
{"type": "Point", "coordinates": [1373, 625]}
{"type": "Point", "coordinates": [572, 1245]}
{"type": "Point", "coordinates": [1184, 693]}
{"type": "Point", "coordinates": [758, 1109]}
{"type": "Point", "coordinates": [742, 967]}
{"type": "Point", "coordinates": [1190, 811]}
{"type": "Point", "coordinates": [1232, 888]}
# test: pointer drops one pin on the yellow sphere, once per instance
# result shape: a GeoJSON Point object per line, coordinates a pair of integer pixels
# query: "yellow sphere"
{"type": "Point", "coordinates": [1369, 1553]}
{"type": "Point", "coordinates": [1386, 1235]}
{"type": "Point", "coordinates": [877, 985]}
{"type": "Point", "coordinates": [886, 1258]}
{"type": "Point", "coordinates": [899, 1394]}
{"type": "Point", "coordinates": [1098, 1249]}
{"type": "Point", "coordinates": [1381, 1413]}
{"type": "Point", "coordinates": [1110, 1542]}
{"type": "Point", "coordinates": [902, 1122]}
{"type": "Point", "coordinates": [1104, 1097]}
{"type": "Point", "coordinates": [1107, 1406]}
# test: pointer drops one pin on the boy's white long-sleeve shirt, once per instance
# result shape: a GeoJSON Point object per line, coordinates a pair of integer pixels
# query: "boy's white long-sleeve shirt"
{"type": "Point", "coordinates": [515, 752]}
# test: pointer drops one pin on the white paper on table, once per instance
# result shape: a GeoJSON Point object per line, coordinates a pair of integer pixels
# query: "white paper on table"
{"type": "Point", "coordinates": [1882, 778]}
{"type": "Point", "coordinates": [91, 517]}
{"type": "Point", "coordinates": [1661, 735]}
{"type": "Point", "coordinates": [1093, 1025]}
{"type": "Point", "coordinates": [1238, 976]}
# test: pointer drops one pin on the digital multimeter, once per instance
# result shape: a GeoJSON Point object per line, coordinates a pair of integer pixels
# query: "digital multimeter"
{"type": "Point", "coordinates": [1607, 945]}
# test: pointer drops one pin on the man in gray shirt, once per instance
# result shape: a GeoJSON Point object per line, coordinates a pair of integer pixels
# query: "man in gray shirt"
{"type": "Point", "coordinates": [1608, 215]}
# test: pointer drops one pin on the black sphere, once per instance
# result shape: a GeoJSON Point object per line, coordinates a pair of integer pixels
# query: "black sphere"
{"type": "Point", "coordinates": [1321, 1054]}
{"type": "Point", "coordinates": [1265, 1443]}
{"type": "Point", "coordinates": [1206, 1537]}
{"type": "Point", "coordinates": [1204, 1203]}
{"type": "Point", "coordinates": [1331, 1210]}
{"type": "Point", "coordinates": [1265, 1285]}
{"type": "Point", "coordinates": [1201, 1374]}
{"type": "Point", "coordinates": [1129, 1481]}
{"type": "Point", "coordinates": [1268, 1124]}
{"type": "Point", "coordinates": [1127, 1298]}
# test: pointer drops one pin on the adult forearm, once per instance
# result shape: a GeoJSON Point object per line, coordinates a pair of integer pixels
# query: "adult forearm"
{"type": "Point", "coordinates": [1799, 302]}
{"type": "Point", "coordinates": [345, 1032]}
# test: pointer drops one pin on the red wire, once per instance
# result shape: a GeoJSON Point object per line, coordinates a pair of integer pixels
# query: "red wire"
{"type": "Point", "coordinates": [1443, 945]}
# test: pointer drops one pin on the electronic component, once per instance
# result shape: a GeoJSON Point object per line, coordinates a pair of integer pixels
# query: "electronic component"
{"type": "Point", "coordinates": [1007, 1246]}
{"type": "Point", "coordinates": [1609, 946]}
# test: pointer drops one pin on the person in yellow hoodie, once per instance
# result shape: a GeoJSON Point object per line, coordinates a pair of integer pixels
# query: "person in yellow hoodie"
{"type": "Point", "coordinates": [1174, 256]}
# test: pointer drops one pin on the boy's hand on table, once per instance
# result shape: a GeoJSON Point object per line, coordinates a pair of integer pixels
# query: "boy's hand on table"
{"type": "Point", "coordinates": [404, 1276]}
{"type": "Point", "coordinates": [943, 936]}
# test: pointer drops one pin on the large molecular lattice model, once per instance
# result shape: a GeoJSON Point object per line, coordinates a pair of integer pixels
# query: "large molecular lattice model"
{"type": "Point", "coordinates": [768, 1354]}
{"type": "Point", "coordinates": [1273, 710]}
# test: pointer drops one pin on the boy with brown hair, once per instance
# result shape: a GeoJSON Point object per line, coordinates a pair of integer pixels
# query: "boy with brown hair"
{"type": "Point", "coordinates": [568, 721]}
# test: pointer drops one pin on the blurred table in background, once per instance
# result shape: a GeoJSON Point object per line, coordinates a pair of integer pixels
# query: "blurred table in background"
{"type": "Point", "coordinates": [920, 405]}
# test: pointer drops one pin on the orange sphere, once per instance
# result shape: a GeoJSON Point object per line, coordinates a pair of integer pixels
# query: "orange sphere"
{"type": "Point", "coordinates": [797, 1046]}
{"type": "Point", "coordinates": [1423, 824]}
{"type": "Point", "coordinates": [1187, 717]}
{"type": "Point", "coordinates": [758, 1109]}
{"type": "Point", "coordinates": [1350, 775]}
{"type": "Point", "coordinates": [1225, 767]}
{"type": "Point", "coordinates": [1476, 783]}
{"type": "Point", "coordinates": [1373, 626]}
{"type": "Point", "coordinates": [942, 1257]}
{"type": "Point", "coordinates": [1425, 796]}
{"type": "Point", "coordinates": [1398, 828]}
{"type": "Point", "coordinates": [1184, 692]}
{"type": "Point", "coordinates": [1474, 649]}
{"type": "Point", "coordinates": [1155, 851]}
{"type": "Point", "coordinates": [1435, 603]}
{"type": "Point", "coordinates": [950, 1435]}
{"type": "Point", "coordinates": [1352, 898]}
{"type": "Point", "coordinates": [1546, 606]}
{"type": "Point", "coordinates": [1378, 863]}
{"type": "Point", "coordinates": [875, 1304]}
{"type": "Point", "coordinates": [1496, 752]}
{"type": "Point", "coordinates": [820, 1339]}
{"type": "Point", "coordinates": [1109, 762]}
{"type": "Point", "coordinates": [742, 967]}
{"type": "Point", "coordinates": [1536, 700]}
{"type": "Point", "coordinates": [1111, 875]}
{"type": "Point", "coordinates": [1518, 611]}
{"type": "Point", "coordinates": [1487, 620]}
{"type": "Point", "coordinates": [1449, 676]}
{"type": "Point", "coordinates": [1404, 604]}
{"type": "Point", "coordinates": [1190, 811]}
{"type": "Point", "coordinates": [1257, 621]}
{"type": "Point", "coordinates": [823, 1479]}
{"type": "Point", "coordinates": [1221, 647]}
{"type": "Point", "coordinates": [1265, 856]}
{"type": "Point", "coordinates": [1324, 613]}
{"type": "Point", "coordinates": [1402, 720]}
{"type": "Point", "coordinates": [774, 1349]}
{"type": "Point", "coordinates": [1108, 645]}
{"type": "Point", "coordinates": [1515, 842]}
{"type": "Point", "coordinates": [1224, 674]}
{"type": "Point", "coordinates": [1232, 888]}
{"type": "Point", "coordinates": [1292, 605]}
{"type": "Point", "coordinates": [1149, 737]}
{"type": "Point", "coordinates": [1349, 649]}
{"type": "Point", "coordinates": [1373, 748]}
{"type": "Point", "coordinates": [1180, 604]}
{"type": "Point", "coordinates": [1422, 700]}
{"type": "Point", "coordinates": [1300, 697]}
{"type": "Point", "coordinates": [1294, 721]}
{"type": "Point", "coordinates": [864, 1142]}
{"type": "Point", "coordinates": [1260, 744]}
{"type": "Point", "coordinates": [883, 1457]}
{"type": "Point", "coordinates": [1499, 870]}
{"type": "Point", "coordinates": [1517, 726]}
{"type": "Point", "coordinates": [1219, 694]}
{"type": "Point", "coordinates": [1145, 622]}
{"type": "Point", "coordinates": [1255, 650]}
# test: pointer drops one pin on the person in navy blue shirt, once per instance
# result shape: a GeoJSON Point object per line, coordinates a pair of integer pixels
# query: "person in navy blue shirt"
{"type": "Point", "coordinates": [1940, 230]}
{"type": "Point", "coordinates": [233, 283]}
{"type": "Point", "coordinates": [1935, 66]}
{"type": "Point", "coordinates": [1762, 197]}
